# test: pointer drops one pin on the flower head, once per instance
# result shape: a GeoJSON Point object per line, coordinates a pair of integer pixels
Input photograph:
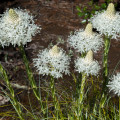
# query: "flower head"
{"type": "Point", "coordinates": [107, 22]}
{"type": "Point", "coordinates": [17, 27]}
{"type": "Point", "coordinates": [87, 64]}
{"type": "Point", "coordinates": [52, 62]}
{"type": "Point", "coordinates": [85, 40]}
{"type": "Point", "coordinates": [114, 84]}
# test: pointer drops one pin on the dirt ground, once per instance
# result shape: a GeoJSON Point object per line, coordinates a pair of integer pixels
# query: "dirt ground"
{"type": "Point", "coordinates": [57, 19]}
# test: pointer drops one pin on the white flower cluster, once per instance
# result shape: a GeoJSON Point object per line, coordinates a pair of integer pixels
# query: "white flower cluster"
{"type": "Point", "coordinates": [52, 62]}
{"type": "Point", "coordinates": [17, 27]}
{"type": "Point", "coordinates": [87, 65]}
{"type": "Point", "coordinates": [107, 22]}
{"type": "Point", "coordinates": [114, 85]}
{"type": "Point", "coordinates": [85, 40]}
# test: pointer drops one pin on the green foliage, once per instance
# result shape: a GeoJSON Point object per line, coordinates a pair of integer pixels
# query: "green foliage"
{"type": "Point", "coordinates": [93, 107]}
{"type": "Point", "coordinates": [87, 13]}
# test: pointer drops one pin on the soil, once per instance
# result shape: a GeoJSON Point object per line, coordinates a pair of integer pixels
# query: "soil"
{"type": "Point", "coordinates": [57, 19]}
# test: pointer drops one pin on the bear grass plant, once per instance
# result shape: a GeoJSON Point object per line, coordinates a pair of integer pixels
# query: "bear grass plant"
{"type": "Point", "coordinates": [107, 23]}
{"type": "Point", "coordinates": [20, 28]}
{"type": "Point", "coordinates": [87, 101]}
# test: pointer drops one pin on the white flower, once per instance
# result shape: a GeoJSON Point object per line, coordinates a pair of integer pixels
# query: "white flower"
{"type": "Point", "coordinates": [87, 64]}
{"type": "Point", "coordinates": [107, 22]}
{"type": "Point", "coordinates": [17, 27]}
{"type": "Point", "coordinates": [52, 62]}
{"type": "Point", "coordinates": [114, 84]}
{"type": "Point", "coordinates": [85, 40]}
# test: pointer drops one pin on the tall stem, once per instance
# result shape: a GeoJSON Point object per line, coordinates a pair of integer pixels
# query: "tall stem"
{"type": "Point", "coordinates": [105, 62]}
{"type": "Point", "coordinates": [81, 95]}
{"type": "Point", "coordinates": [106, 50]}
{"type": "Point", "coordinates": [119, 108]}
{"type": "Point", "coordinates": [31, 77]}
{"type": "Point", "coordinates": [14, 101]}
{"type": "Point", "coordinates": [78, 86]}
{"type": "Point", "coordinates": [52, 86]}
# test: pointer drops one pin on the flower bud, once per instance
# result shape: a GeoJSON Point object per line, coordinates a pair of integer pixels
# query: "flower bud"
{"type": "Point", "coordinates": [13, 16]}
{"type": "Point", "coordinates": [89, 57]}
{"type": "Point", "coordinates": [88, 29]}
{"type": "Point", "coordinates": [54, 52]}
{"type": "Point", "coordinates": [110, 10]}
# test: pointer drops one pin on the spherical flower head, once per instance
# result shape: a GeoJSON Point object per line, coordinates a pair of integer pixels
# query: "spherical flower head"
{"type": "Point", "coordinates": [85, 40]}
{"type": "Point", "coordinates": [114, 84]}
{"type": "Point", "coordinates": [87, 64]}
{"type": "Point", "coordinates": [17, 27]}
{"type": "Point", "coordinates": [52, 62]}
{"type": "Point", "coordinates": [107, 22]}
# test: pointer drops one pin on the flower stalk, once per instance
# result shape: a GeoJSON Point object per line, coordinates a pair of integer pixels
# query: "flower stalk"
{"type": "Point", "coordinates": [56, 104]}
{"type": "Point", "coordinates": [12, 94]}
{"type": "Point", "coordinates": [81, 95]}
{"type": "Point", "coordinates": [31, 77]}
{"type": "Point", "coordinates": [88, 61]}
{"type": "Point", "coordinates": [55, 101]}
{"type": "Point", "coordinates": [119, 107]}
{"type": "Point", "coordinates": [106, 50]}
{"type": "Point", "coordinates": [105, 61]}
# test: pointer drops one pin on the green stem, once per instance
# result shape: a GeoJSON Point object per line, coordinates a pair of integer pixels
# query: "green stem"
{"type": "Point", "coordinates": [14, 101]}
{"type": "Point", "coordinates": [31, 77]}
{"type": "Point", "coordinates": [78, 85]}
{"type": "Point", "coordinates": [105, 62]}
{"type": "Point", "coordinates": [52, 86]}
{"type": "Point", "coordinates": [119, 108]}
{"type": "Point", "coordinates": [81, 95]}
{"type": "Point", "coordinates": [106, 50]}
